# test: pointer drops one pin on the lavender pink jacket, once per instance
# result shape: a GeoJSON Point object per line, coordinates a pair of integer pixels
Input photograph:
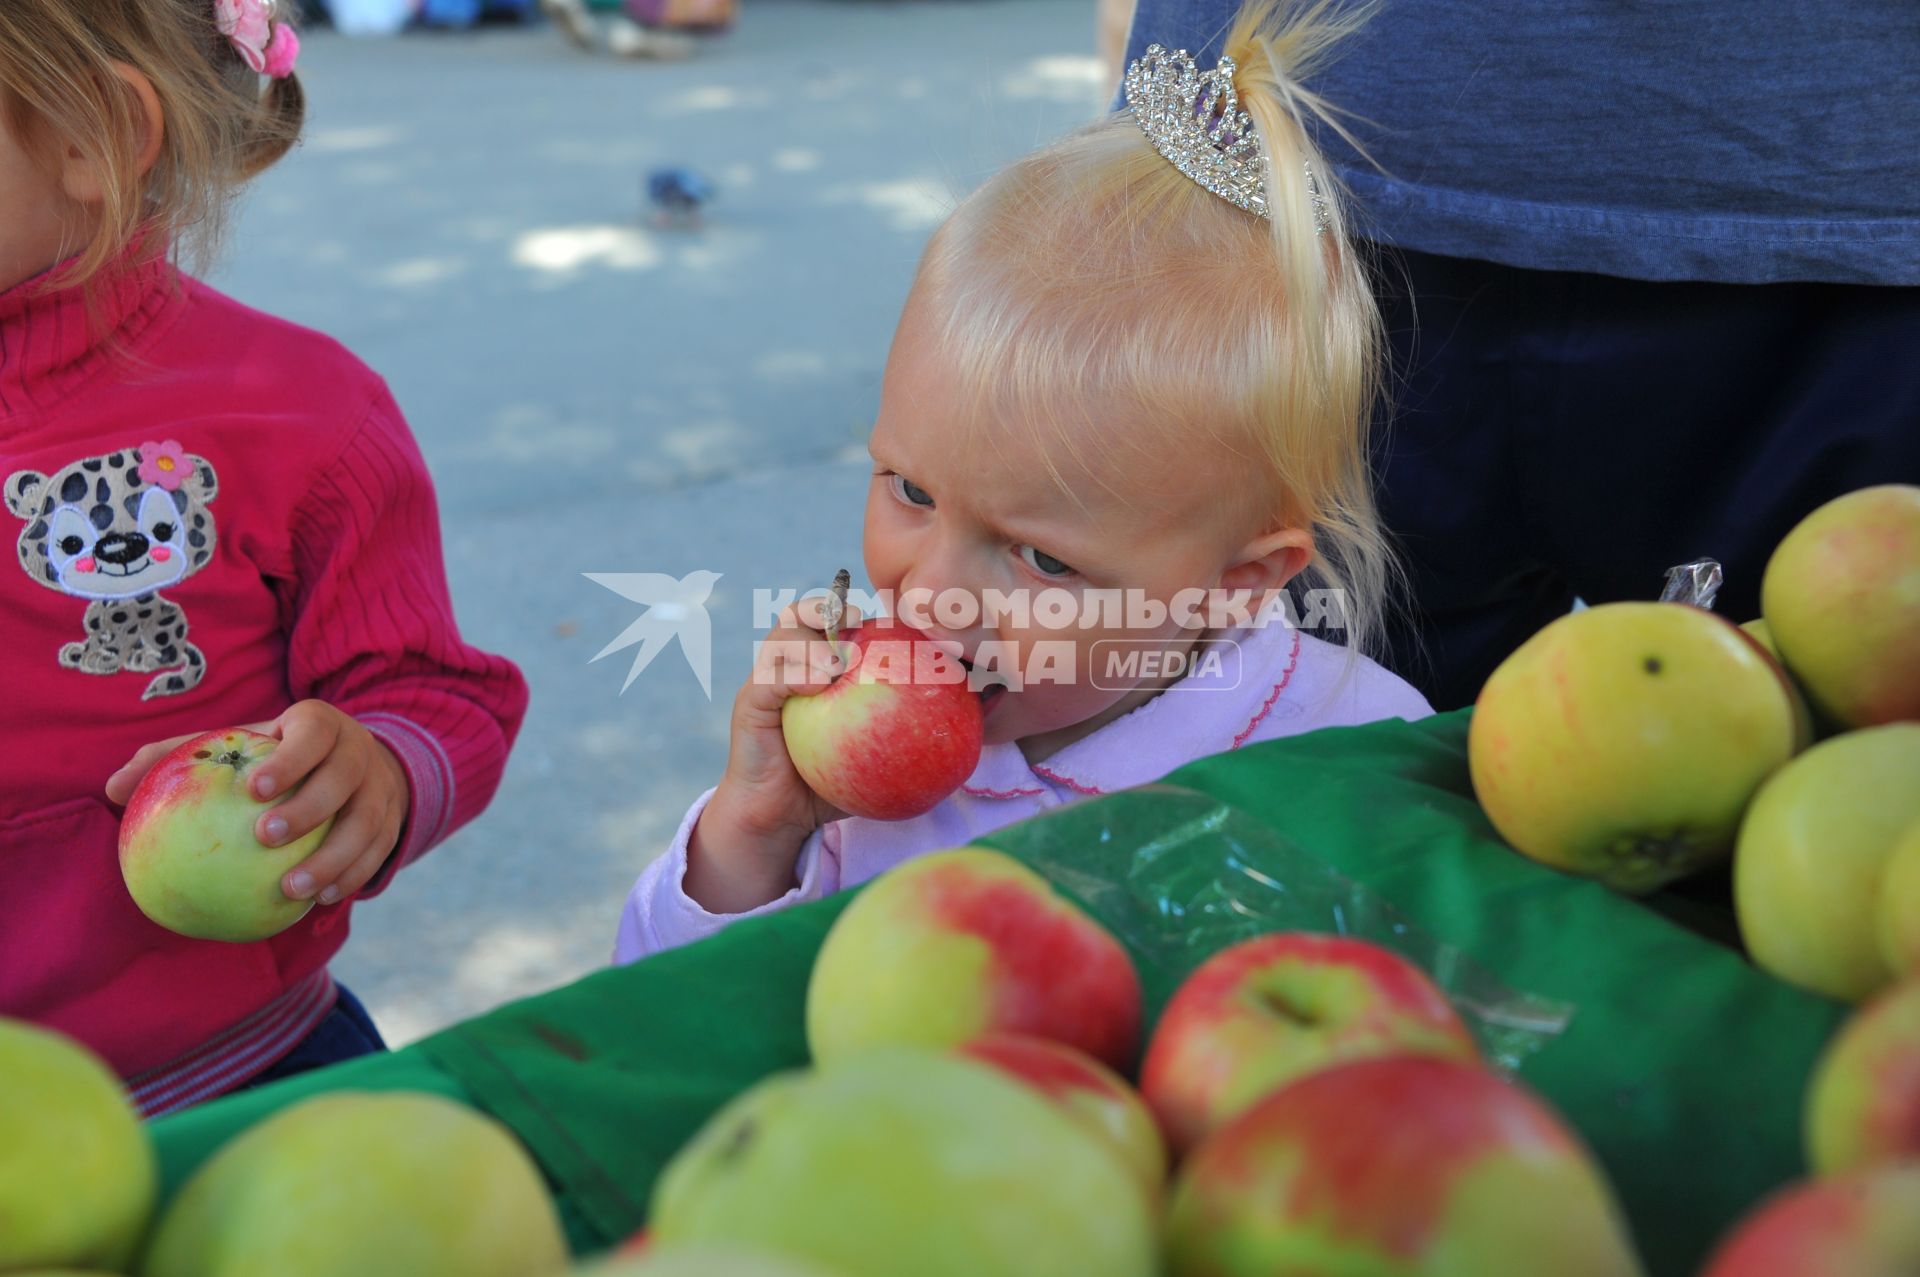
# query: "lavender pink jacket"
{"type": "Point", "coordinates": [1283, 683]}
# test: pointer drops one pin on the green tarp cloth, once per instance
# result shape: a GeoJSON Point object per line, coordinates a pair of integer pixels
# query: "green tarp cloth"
{"type": "Point", "coordinates": [1680, 1064]}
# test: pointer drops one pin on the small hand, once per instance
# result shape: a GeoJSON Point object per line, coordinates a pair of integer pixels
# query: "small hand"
{"type": "Point", "coordinates": [344, 772]}
{"type": "Point", "coordinates": [743, 849]}
{"type": "Point", "coordinates": [349, 775]}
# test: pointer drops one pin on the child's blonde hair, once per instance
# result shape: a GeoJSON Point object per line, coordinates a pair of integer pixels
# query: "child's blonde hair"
{"type": "Point", "coordinates": [58, 89]}
{"type": "Point", "coordinates": [1095, 267]}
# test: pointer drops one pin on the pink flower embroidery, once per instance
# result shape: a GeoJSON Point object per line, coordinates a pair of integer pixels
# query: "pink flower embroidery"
{"type": "Point", "coordinates": [164, 464]}
{"type": "Point", "coordinates": [269, 47]}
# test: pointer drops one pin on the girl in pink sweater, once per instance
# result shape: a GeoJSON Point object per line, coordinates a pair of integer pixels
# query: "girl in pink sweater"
{"type": "Point", "coordinates": [1138, 364]}
{"type": "Point", "coordinates": [221, 519]}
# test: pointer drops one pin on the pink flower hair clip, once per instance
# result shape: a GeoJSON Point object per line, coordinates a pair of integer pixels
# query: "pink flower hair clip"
{"type": "Point", "coordinates": [269, 47]}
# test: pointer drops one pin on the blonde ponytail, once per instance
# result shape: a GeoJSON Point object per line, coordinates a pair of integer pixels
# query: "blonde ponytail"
{"type": "Point", "coordinates": [1278, 48]}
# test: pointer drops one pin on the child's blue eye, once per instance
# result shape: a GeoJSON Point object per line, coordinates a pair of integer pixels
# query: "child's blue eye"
{"type": "Point", "coordinates": [1043, 563]}
{"type": "Point", "coordinates": [910, 492]}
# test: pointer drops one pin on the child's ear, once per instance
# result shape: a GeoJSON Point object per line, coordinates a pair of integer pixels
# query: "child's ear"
{"type": "Point", "coordinates": [81, 176]}
{"type": "Point", "coordinates": [1269, 561]}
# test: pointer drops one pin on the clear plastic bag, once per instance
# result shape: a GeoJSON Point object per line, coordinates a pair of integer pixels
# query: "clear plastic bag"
{"type": "Point", "coordinates": [1199, 875]}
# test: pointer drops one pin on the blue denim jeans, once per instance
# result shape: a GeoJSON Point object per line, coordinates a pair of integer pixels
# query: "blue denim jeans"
{"type": "Point", "coordinates": [347, 1032]}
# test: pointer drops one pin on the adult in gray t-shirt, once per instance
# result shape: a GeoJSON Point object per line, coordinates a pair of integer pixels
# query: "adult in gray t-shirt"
{"type": "Point", "coordinates": [1663, 259]}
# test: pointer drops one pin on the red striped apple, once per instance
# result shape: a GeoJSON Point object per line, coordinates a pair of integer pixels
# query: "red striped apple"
{"type": "Point", "coordinates": [893, 734]}
{"type": "Point", "coordinates": [1861, 1225]}
{"type": "Point", "coordinates": [1814, 851]}
{"type": "Point", "coordinates": [957, 944]}
{"type": "Point", "coordinates": [1841, 596]}
{"type": "Point", "coordinates": [1087, 1091]}
{"type": "Point", "coordinates": [1405, 1166]}
{"type": "Point", "coordinates": [1622, 742]}
{"type": "Point", "coordinates": [1863, 1106]}
{"type": "Point", "coordinates": [1265, 1011]}
{"type": "Point", "coordinates": [188, 850]}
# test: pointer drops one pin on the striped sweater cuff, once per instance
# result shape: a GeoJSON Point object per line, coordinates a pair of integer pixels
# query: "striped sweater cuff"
{"type": "Point", "coordinates": [239, 1054]}
{"type": "Point", "coordinates": [431, 785]}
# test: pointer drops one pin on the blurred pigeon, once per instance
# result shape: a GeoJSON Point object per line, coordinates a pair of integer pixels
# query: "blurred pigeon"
{"type": "Point", "coordinates": [677, 195]}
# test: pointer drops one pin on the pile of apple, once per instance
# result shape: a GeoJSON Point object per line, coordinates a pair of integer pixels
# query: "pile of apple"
{"type": "Point", "coordinates": [1323, 1107]}
{"type": "Point", "coordinates": [1639, 742]}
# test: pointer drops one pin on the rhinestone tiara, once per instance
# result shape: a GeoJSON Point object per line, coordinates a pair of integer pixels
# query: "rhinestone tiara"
{"type": "Point", "coordinates": [1194, 119]}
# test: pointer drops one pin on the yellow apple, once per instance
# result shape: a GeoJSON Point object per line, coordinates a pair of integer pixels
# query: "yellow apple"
{"type": "Point", "coordinates": [77, 1173]}
{"type": "Point", "coordinates": [1842, 597]}
{"type": "Point", "coordinates": [1622, 742]}
{"type": "Point", "coordinates": [351, 1184]}
{"type": "Point", "coordinates": [700, 1261]}
{"type": "Point", "coordinates": [1900, 905]}
{"type": "Point", "coordinates": [905, 1162]}
{"type": "Point", "coordinates": [1813, 854]}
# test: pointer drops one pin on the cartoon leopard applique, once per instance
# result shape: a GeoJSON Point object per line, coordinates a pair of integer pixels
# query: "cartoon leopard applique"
{"type": "Point", "coordinates": [115, 530]}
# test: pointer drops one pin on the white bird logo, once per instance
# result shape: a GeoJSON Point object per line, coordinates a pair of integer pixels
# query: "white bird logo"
{"type": "Point", "coordinates": [675, 608]}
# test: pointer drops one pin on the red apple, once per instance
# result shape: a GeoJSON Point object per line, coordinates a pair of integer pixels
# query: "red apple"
{"type": "Point", "coordinates": [895, 733]}
{"type": "Point", "coordinates": [1407, 1166]}
{"type": "Point", "coordinates": [1861, 1225]}
{"type": "Point", "coordinates": [957, 944]}
{"type": "Point", "coordinates": [1265, 1011]}
{"type": "Point", "coordinates": [1863, 1106]}
{"type": "Point", "coordinates": [1087, 1091]}
{"type": "Point", "coordinates": [188, 850]}
{"type": "Point", "coordinates": [1841, 596]}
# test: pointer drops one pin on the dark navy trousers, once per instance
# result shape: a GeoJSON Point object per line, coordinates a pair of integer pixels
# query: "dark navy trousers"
{"type": "Point", "coordinates": [1558, 434]}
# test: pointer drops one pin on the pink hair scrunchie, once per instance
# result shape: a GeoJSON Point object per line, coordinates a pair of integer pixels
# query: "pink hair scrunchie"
{"type": "Point", "coordinates": [269, 47]}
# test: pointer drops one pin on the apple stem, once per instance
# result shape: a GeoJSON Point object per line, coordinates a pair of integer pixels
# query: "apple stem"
{"type": "Point", "coordinates": [836, 608]}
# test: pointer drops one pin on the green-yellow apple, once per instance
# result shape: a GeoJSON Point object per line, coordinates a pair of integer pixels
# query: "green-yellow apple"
{"type": "Point", "coordinates": [1813, 852]}
{"type": "Point", "coordinates": [188, 850]}
{"type": "Point", "coordinates": [894, 733]}
{"type": "Point", "coordinates": [904, 1162]}
{"type": "Point", "coordinates": [1862, 1225]}
{"type": "Point", "coordinates": [1841, 595]}
{"type": "Point", "coordinates": [1863, 1105]}
{"type": "Point", "coordinates": [1087, 1091]}
{"type": "Point", "coordinates": [701, 1261]}
{"type": "Point", "coordinates": [350, 1184]}
{"type": "Point", "coordinates": [1267, 1010]}
{"type": "Point", "coordinates": [1399, 1166]}
{"type": "Point", "coordinates": [1622, 742]}
{"type": "Point", "coordinates": [959, 943]}
{"type": "Point", "coordinates": [77, 1173]}
{"type": "Point", "coordinates": [1899, 920]}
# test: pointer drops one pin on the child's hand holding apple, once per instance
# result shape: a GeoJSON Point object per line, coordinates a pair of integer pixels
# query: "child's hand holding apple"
{"type": "Point", "coordinates": [743, 849]}
{"type": "Point", "coordinates": [344, 791]}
